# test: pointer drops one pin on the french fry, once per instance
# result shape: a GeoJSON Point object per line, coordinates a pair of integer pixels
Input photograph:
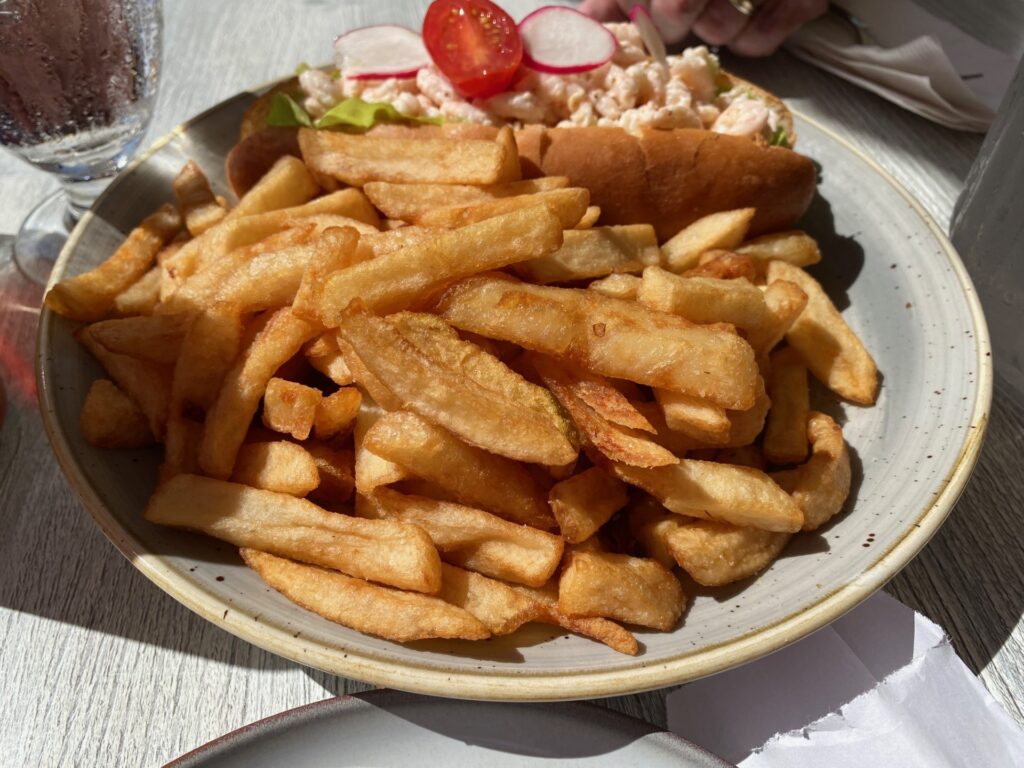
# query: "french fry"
{"type": "Point", "coordinates": [724, 265]}
{"type": "Point", "coordinates": [181, 448]}
{"type": "Point", "coordinates": [711, 491]}
{"type": "Point", "coordinates": [155, 338]}
{"type": "Point", "coordinates": [324, 355]}
{"type": "Point", "coordinates": [198, 206]}
{"type": "Point", "coordinates": [357, 160]}
{"type": "Point", "coordinates": [369, 608]}
{"type": "Point", "coordinates": [832, 351]}
{"type": "Point", "coordinates": [387, 551]}
{"type": "Point", "coordinates": [336, 413]}
{"type": "Point", "coordinates": [244, 385]}
{"type": "Point", "coordinates": [111, 419]}
{"type": "Point", "coordinates": [703, 300]}
{"type": "Point", "coordinates": [584, 502]}
{"type": "Point", "coordinates": [785, 434]}
{"type": "Point", "coordinates": [90, 296]}
{"type": "Point", "coordinates": [590, 217]}
{"type": "Point", "coordinates": [603, 397]}
{"type": "Point", "coordinates": [321, 222]}
{"type": "Point", "coordinates": [371, 246]}
{"type": "Point", "coordinates": [290, 407]}
{"type": "Point", "coordinates": [498, 606]}
{"type": "Point", "coordinates": [724, 230]}
{"type": "Point", "coordinates": [616, 338]}
{"type": "Point", "coordinates": [698, 419]}
{"type": "Point", "coordinates": [472, 538]}
{"type": "Point", "coordinates": [394, 281]}
{"type": "Point", "coordinates": [469, 393]}
{"type": "Point", "coordinates": [785, 302]}
{"type": "Point", "coordinates": [276, 466]}
{"type": "Point", "coordinates": [587, 253]}
{"type": "Point", "coordinates": [335, 467]}
{"type": "Point", "coordinates": [633, 590]}
{"type": "Point", "coordinates": [372, 471]}
{"type": "Point", "coordinates": [206, 354]}
{"type": "Point", "coordinates": [287, 184]}
{"type": "Point", "coordinates": [409, 202]}
{"type": "Point", "coordinates": [475, 477]}
{"type": "Point", "coordinates": [569, 205]}
{"type": "Point", "coordinates": [617, 286]}
{"type": "Point", "coordinates": [140, 297]}
{"type": "Point", "coordinates": [823, 482]}
{"type": "Point", "coordinates": [792, 246]}
{"type": "Point", "coordinates": [604, 631]}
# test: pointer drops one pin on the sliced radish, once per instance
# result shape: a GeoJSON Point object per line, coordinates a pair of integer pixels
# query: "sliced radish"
{"type": "Point", "coordinates": [563, 41]}
{"type": "Point", "coordinates": [376, 53]}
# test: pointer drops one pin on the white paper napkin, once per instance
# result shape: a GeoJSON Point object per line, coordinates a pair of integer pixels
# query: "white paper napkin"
{"type": "Point", "coordinates": [881, 687]}
{"type": "Point", "coordinates": [911, 58]}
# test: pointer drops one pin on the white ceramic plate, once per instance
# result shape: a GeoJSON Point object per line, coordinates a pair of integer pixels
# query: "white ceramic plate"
{"type": "Point", "coordinates": [389, 729]}
{"type": "Point", "coordinates": [887, 266]}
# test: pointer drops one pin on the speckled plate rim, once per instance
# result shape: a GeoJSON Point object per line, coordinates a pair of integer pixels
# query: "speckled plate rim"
{"type": "Point", "coordinates": [537, 685]}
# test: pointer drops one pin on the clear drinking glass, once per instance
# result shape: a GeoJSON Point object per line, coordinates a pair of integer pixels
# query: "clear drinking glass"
{"type": "Point", "coordinates": [78, 80]}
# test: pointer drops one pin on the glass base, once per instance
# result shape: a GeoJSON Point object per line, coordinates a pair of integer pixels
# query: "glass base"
{"type": "Point", "coordinates": [42, 235]}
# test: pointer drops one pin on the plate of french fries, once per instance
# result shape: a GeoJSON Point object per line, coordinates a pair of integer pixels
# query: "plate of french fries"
{"type": "Point", "coordinates": [403, 416]}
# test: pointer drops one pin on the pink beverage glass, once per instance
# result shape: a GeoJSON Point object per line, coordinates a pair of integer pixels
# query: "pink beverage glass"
{"type": "Point", "coordinates": [78, 80]}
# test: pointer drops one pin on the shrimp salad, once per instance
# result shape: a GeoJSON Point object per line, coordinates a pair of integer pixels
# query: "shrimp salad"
{"type": "Point", "coordinates": [632, 91]}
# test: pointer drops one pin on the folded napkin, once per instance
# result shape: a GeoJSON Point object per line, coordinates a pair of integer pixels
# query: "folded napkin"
{"type": "Point", "coordinates": [880, 687]}
{"type": "Point", "coordinates": [909, 57]}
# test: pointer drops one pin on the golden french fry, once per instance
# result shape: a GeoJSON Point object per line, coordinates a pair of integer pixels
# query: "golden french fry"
{"type": "Point", "coordinates": [323, 221]}
{"type": "Point", "coordinates": [90, 296]}
{"type": "Point", "coordinates": [465, 390]}
{"type": "Point", "coordinates": [569, 205]}
{"type": "Point", "coordinates": [711, 491]}
{"type": "Point", "coordinates": [785, 434]}
{"type": "Point", "coordinates": [603, 397]}
{"type": "Point", "coordinates": [823, 482]}
{"type": "Point", "coordinates": [287, 184]}
{"type": "Point", "coordinates": [498, 606]}
{"type": "Point", "coordinates": [793, 246]}
{"type": "Point", "coordinates": [324, 355]}
{"type": "Point", "coordinates": [111, 419]}
{"type": "Point", "coordinates": [617, 286]}
{"type": "Point", "coordinates": [724, 230]}
{"type": "Point", "coordinates": [832, 351]}
{"type": "Point", "coordinates": [604, 631]}
{"type": "Point", "coordinates": [633, 590]}
{"type": "Point", "coordinates": [587, 253]}
{"type": "Point", "coordinates": [244, 385]}
{"type": "Point", "coordinates": [394, 281]}
{"type": "Point", "coordinates": [336, 413]}
{"type": "Point", "coordinates": [724, 265]}
{"type": "Point", "coordinates": [369, 608]}
{"type": "Point", "coordinates": [140, 297]}
{"type": "Point", "coordinates": [337, 474]}
{"type": "Point", "coordinates": [276, 466]}
{"type": "Point", "coordinates": [181, 448]}
{"type": "Point", "coordinates": [703, 300]}
{"type": "Point", "coordinates": [196, 201]}
{"type": "Point", "coordinates": [207, 352]}
{"type": "Point", "coordinates": [409, 202]}
{"type": "Point", "coordinates": [290, 407]}
{"type": "Point", "coordinates": [475, 477]}
{"type": "Point", "coordinates": [155, 338]}
{"type": "Point", "coordinates": [590, 217]}
{"type": "Point", "coordinates": [359, 159]}
{"type": "Point", "coordinates": [472, 538]}
{"type": "Point", "coordinates": [616, 338]}
{"type": "Point", "coordinates": [698, 419]}
{"type": "Point", "coordinates": [785, 302]}
{"type": "Point", "coordinates": [372, 471]}
{"type": "Point", "coordinates": [389, 241]}
{"type": "Point", "coordinates": [584, 502]}
{"type": "Point", "coordinates": [387, 551]}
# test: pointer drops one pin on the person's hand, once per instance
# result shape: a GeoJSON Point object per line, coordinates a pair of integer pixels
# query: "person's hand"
{"type": "Point", "coordinates": [721, 22]}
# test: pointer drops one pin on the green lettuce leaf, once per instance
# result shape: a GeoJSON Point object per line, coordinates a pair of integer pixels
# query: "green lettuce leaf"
{"type": "Point", "coordinates": [779, 138]}
{"type": "Point", "coordinates": [350, 113]}
{"type": "Point", "coordinates": [285, 112]}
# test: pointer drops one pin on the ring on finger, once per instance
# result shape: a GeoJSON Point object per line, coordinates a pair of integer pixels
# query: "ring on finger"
{"type": "Point", "coordinates": [746, 7]}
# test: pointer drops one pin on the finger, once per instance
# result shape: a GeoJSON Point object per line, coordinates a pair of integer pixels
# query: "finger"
{"type": "Point", "coordinates": [772, 23]}
{"type": "Point", "coordinates": [675, 18]}
{"type": "Point", "coordinates": [602, 10]}
{"type": "Point", "coordinates": [720, 23]}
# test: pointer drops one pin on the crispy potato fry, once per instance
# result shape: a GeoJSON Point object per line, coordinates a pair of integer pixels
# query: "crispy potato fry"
{"type": "Point", "coordinates": [196, 201]}
{"type": "Point", "coordinates": [724, 265]}
{"type": "Point", "coordinates": [290, 407]}
{"type": "Point", "coordinates": [499, 607]}
{"type": "Point", "coordinates": [336, 413]}
{"type": "Point", "coordinates": [394, 281]}
{"type": "Point", "coordinates": [140, 297]}
{"type": "Point", "coordinates": [287, 184]}
{"type": "Point", "coordinates": [676, 442]}
{"type": "Point", "coordinates": [207, 352]}
{"type": "Point", "coordinates": [590, 217]}
{"type": "Point", "coordinates": [724, 230]}
{"type": "Point", "coordinates": [276, 466]}
{"type": "Point", "coordinates": [369, 608]}
{"type": "Point", "coordinates": [618, 443]}
{"type": "Point", "coordinates": [381, 243]}
{"type": "Point", "coordinates": [569, 205]}
{"type": "Point", "coordinates": [587, 253]}
{"type": "Point", "coordinates": [616, 338]}
{"type": "Point", "coordinates": [111, 419]}
{"type": "Point", "coordinates": [146, 383]}
{"type": "Point", "coordinates": [604, 631]}
{"type": "Point", "coordinates": [785, 302]}
{"type": "Point", "coordinates": [359, 159]}
{"type": "Point", "coordinates": [372, 471]}
{"type": "Point", "coordinates": [336, 469]}
{"type": "Point", "coordinates": [155, 338]}
{"type": "Point", "coordinates": [324, 355]}
{"type": "Point", "coordinates": [460, 387]}
{"type": "Point", "coordinates": [698, 419]}
{"type": "Point", "coordinates": [832, 351]}
{"type": "Point", "coordinates": [321, 222]}
{"type": "Point", "coordinates": [181, 448]}
{"type": "Point", "coordinates": [823, 482]}
{"type": "Point", "coordinates": [584, 502]}
{"type": "Point", "coordinates": [410, 201]}
{"type": "Point", "coordinates": [617, 286]}
{"type": "Point", "coordinates": [633, 590]}
{"type": "Point", "coordinates": [603, 397]}
{"type": "Point", "coordinates": [703, 299]}
{"type": "Point", "coordinates": [472, 538]}
{"type": "Point", "coordinates": [712, 491]}
{"type": "Point", "coordinates": [387, 551]}
{"type": "Point", "coordinates": [370, 384]}
{"type": "Point", "coordinates": [793, 246]}
{"type": "Point", "coordinates": [475, 477]}
{"type": "Point", "coordinates": [244, 385]}
{"type": "Point", "coordinates": [90, 296]}
{"type": "Point", "coordinates": [785, 434]}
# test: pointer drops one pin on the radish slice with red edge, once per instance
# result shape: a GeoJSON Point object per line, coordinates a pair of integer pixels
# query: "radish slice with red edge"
{"type": "Point", "coordinates": [379, 52]}
{"type": "Point", "coordinates": [563, 41]}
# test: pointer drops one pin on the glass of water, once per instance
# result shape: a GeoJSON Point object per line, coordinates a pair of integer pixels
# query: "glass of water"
{"type": "Point", "coordinates": [78, 80]}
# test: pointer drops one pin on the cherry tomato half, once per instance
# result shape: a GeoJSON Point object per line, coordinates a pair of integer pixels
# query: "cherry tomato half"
{"type": "Point", "coordinates": [474, 43]}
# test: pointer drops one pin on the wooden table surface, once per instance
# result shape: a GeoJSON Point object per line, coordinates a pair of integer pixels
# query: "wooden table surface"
{"type": "Point", "coordinates": [99, 667]}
